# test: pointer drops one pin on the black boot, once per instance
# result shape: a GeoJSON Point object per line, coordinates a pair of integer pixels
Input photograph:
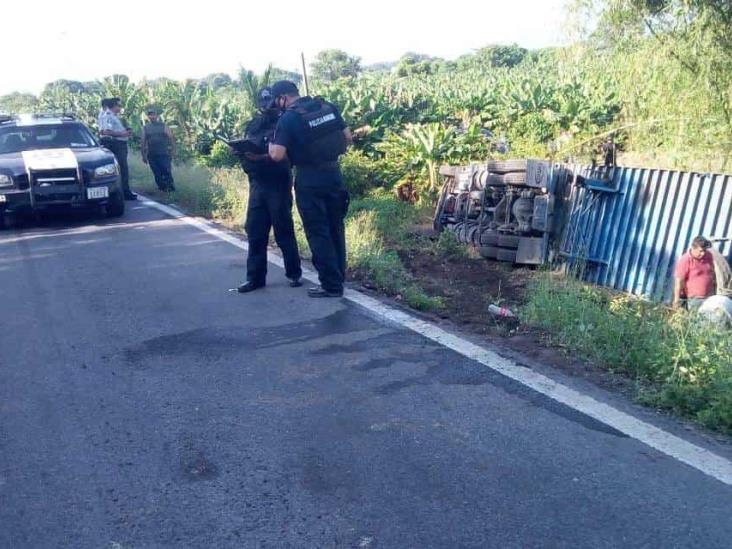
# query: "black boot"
{"type": "Point", "coordinates": [319, 291]}
{"type": "Point", "coordinates": [249, 287]}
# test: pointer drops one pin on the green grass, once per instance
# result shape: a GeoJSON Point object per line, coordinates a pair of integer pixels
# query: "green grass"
{"type": "Point", "coordinates": [370, 258]}
{"type": "Point", "coordinates": [448, 247]}
{"type": "Point", "coordinates": [374, 222]}
{"type": "Point", "coordinates": [219, 194]}
{"type": "Point", "coordinates": [377, 227]}
{"type": "Point", "coordinates": [681, 364]}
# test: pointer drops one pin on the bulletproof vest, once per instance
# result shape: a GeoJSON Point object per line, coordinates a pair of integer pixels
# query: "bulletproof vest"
{"type": "Point", "coordinates": [260, 130]}
{"type": "Point", "coordinates": [324, 140]}
{"type": "Point", "coordinates": [157, 140]}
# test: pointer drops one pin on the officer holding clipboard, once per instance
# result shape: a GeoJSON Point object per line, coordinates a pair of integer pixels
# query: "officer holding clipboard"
{"type": "Point", "coordinates": [270, 198]}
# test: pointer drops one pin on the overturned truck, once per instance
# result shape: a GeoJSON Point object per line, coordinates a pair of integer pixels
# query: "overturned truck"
{"type": "Point", "coordinates": [615, 226]}
{"type": "Point", "coordinates": [505, 208]}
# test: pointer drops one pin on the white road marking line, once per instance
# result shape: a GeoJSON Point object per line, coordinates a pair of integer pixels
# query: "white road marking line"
{"type": "Point", "coordinates": [695, 456]}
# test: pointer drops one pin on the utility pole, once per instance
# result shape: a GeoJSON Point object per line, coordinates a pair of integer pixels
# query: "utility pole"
{"type": "Point", "coordinates": [305, 73]}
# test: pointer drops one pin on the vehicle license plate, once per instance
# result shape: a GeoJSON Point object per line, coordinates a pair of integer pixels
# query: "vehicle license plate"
{"type": "Point", "coordinates": [100, 192]}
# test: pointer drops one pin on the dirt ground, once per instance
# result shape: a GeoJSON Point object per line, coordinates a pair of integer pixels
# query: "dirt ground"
{"type": "Point", "coordinates": [469, 285]}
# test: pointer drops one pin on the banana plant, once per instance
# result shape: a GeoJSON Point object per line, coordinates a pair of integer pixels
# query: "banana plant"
{"type": "Point", "coordinates": [421, 148]}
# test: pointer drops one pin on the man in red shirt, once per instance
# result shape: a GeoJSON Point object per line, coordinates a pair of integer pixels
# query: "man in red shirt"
{"type": "Point", "coordinates": [694, 275]}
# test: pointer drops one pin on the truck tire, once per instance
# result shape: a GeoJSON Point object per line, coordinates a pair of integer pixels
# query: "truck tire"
{"type": "Point", "coordinates": [473, 235]}
{"type": "Point", "coordinates": [507, 256]}
{"type": "Point", "coordinates": [488, 252]}
{"type": "Point", "coordinates": [489, 237]}
{"type": "Point", "coordinates": [513, 178]}
{"type": "Point", "coordinates": [506, 166]}
{"type": "Point", "coordinates": [508, 241]}
{"type": "Point", "coordinates": [495, 180]}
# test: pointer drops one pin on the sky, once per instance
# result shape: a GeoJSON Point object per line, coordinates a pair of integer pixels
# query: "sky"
{"type": "Point", "coordinates": [87, 40]}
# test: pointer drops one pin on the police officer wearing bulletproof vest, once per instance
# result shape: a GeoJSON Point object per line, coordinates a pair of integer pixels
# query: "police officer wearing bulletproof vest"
{"type": "Point", "coordinates": [270, 200]}
{"type": "Point", "coordinates": [312, 134]}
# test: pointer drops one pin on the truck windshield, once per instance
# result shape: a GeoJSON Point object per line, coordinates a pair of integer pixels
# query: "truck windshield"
{"type": "Point", "coordinates": [53, 136]}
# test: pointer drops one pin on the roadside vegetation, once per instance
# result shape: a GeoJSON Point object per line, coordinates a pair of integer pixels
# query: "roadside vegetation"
{"type": "Point", "coordinates": [656, 75]}
{"type": "Point", "coordinates": [680, 363]}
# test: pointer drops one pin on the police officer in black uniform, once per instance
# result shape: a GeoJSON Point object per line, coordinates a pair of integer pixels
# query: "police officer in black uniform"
{"type": "Point", "coordinates": [270, 200]}
{"type": "Point", "coordinates": [312, 134]}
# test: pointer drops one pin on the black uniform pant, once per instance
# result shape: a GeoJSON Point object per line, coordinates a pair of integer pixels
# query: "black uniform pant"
{"type": "Point", "coordinates": [161, 167]}
{"type": "Point", "coordinates": [270, 205]}
{"type": "Point", "coordinates": [323, 210]}
{"type": "Point", "coordinates": [119, 149]}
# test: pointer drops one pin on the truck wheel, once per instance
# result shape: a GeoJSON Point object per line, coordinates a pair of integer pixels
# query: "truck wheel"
{"type": "Point", "coordinates": [489, 237]}
{"type": "Point", "coordinates": [488, 252]}
{"type": "Point", "coordinates": [507, 256]}
{"type": "Point", "coordinates": [508, 241]}
{"type": "Point", "coordinates": [513, 178]}
{"type": "Point", "coordinates": [506, 166]}
{"type": "Point", "coordinates": [472, 235]}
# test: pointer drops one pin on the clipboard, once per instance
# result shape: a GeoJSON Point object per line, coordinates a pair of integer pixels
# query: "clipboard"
{"type": "Point", "coordinates": [241, 146]}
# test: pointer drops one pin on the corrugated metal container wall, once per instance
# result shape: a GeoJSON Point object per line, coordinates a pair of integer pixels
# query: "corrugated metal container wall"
{"type": "Point", "coordinates": [628, 236]}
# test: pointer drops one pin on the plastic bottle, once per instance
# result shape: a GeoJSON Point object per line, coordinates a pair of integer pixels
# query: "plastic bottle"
{"type": "Point", "coordinates": [500, 311]}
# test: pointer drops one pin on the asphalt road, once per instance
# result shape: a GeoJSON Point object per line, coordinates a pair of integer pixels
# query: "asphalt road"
{"type": "Point", "coordinates": [142, 405]}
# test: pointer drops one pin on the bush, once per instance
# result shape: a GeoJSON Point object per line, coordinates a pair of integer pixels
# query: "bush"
{"type": "Point", "coordinates": [219, 157]}
{"type": "Point", "coordinates": [361, 173]}
{"type": "Point", "coordinates": [391, 217]}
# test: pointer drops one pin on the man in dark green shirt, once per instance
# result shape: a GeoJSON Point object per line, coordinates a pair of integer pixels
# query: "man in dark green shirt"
{"type": "Point", "coordinates": [158, 149]}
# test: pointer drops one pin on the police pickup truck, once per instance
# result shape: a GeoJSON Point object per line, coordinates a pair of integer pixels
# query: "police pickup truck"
{"type": "Point", "coordinates": [49, 160]}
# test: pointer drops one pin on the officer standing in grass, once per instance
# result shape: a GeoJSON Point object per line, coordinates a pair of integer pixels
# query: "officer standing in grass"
{"type": "Point", "coordinates": [115, 137]}
{"type": "Point", "coordinates": [312, 134]}
{"type": "Point", "coordinates": [270, 200]}
{"type": "Point", "coordinates": [158, 150]}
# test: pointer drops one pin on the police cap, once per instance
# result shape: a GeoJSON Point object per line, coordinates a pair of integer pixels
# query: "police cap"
{"type": "Point", "coordinates": [284, 87]}
{"type": "Point", "coordinates": [265, 98]}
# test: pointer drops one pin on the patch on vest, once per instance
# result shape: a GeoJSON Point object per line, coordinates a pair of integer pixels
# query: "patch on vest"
{"type": "Point", "coordinates": [321, 120]}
